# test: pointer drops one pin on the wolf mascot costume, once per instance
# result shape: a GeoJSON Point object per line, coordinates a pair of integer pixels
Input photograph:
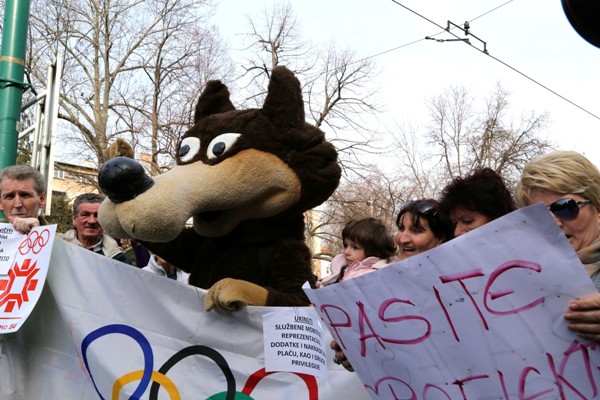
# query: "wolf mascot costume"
{"type": "Point", "coordinates": [245, 178]}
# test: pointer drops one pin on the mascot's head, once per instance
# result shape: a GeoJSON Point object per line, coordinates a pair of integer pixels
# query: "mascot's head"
{"type": "Point", "coordinates": [232, 166]}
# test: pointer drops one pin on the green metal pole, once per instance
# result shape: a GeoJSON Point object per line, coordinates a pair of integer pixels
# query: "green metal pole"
{"type": "Point", "coordinates": [12, 71]}
{"type": "Point", "coordinates": [12, 68]}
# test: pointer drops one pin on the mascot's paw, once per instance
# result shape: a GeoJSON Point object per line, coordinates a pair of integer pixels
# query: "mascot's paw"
{"type": "Point", "coordinates": [119, 148]}
{"type": "Point", "coordinates": [232, 294]}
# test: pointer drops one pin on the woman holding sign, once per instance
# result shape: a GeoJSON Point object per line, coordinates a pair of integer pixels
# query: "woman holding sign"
{"type": "Point", "coordinates": [421, 227]}
{"type": "Point", "coordinates": [569, 184]}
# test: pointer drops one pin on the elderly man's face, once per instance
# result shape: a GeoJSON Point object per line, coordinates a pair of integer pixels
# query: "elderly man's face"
{"type": "Point", "coordinates": [19, 198]}
{"type": "Point", "coordinates": [86, 223]}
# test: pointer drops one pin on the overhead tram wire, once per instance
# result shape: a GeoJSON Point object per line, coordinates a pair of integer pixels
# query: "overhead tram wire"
{"type": "Point", "coordinates": [420, 40]}
{"type": "Point", "coordinates": [494, 58]}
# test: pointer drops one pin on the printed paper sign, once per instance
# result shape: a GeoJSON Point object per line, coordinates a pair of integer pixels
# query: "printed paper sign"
{"type": "Point", "coordinates": [10, 239]}
{"type": "Point", "coordinates": [294, 342]}
{"type": "Point", "coordinates": [21, 287]}
{"type": "Point", "coordinates": [480, 317]}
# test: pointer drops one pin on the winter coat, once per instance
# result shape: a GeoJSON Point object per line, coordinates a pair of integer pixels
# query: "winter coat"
{"type": "Point", "coordinates": [357, 268]}
{"type": "Point", "coordinates": [110, 247]}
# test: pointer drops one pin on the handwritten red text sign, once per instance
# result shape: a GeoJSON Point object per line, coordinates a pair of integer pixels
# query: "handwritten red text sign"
{"type": "Point", "coordinates": [477, 318]}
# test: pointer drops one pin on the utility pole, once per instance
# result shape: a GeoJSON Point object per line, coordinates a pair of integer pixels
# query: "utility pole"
{"type": "Point", "coordinates": [12, 71]}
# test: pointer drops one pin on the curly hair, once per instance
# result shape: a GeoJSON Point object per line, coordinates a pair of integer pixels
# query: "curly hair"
{"type": "Point", "coordinates": [372, 234]}
{"type": "Point", "coordinates": [560, 172]}
{"type": "Point", "coordinates": [439, 222]}
{"type": "Point", "coordinates": [482, 191]}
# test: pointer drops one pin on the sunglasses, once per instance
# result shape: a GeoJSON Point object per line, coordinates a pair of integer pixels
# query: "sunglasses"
{"type": "Point", "coordinates": [423, 207]}
{"type": "Point", "coordinates": [566, 209]}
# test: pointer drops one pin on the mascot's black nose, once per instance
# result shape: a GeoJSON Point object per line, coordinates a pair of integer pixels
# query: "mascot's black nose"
{"type": "Point", "coordinates": [123, 179]}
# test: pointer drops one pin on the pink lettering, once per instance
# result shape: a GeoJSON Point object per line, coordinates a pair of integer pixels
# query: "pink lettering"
{"type": "Point", "coordinates": [460, 277]}
{"type": "Point", "coordinates": [523, 382]}
{"type": "Point", "coordinates": [335, 325]}
{"type": "Point", "coordinates": [495, 295]}
{"type": "Point", "coordinates": [461, 383]}
{"type": "Point", "coordinates": [559, 377]}
{"type": "Point", "coordinates": [362, 318]}
{"type": "Point", "coordinates": [389, 380]}
{"type": "Point", "coordinates": [431, 385]}
{"type": "Point", "coordinates": [382, 311]}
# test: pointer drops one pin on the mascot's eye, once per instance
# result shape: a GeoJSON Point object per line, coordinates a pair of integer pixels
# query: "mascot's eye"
{"type": "Point", "coordinates": [188, 148]}
{"type": "Point", "coordinates": [221, 144]}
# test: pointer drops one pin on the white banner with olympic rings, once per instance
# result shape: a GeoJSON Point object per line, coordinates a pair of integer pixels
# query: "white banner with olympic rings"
{"type": "Point", "coordinates": [106, 330]}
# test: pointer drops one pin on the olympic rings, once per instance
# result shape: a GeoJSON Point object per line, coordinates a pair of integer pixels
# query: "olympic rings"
{"type": "Point", "coordinates": [200, 350]}
{"type": "Point", "coordinates": [159, 378]}
{"type": "Point", "coordinates": [135, 335]}
{"type": "Point", "coordinates": [34, 242]}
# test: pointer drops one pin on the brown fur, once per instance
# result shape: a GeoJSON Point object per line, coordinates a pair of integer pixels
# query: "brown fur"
{"type": "Point", "coordinates": [245, 177]}
{"type": "Point", "coordinates": [119, 148]}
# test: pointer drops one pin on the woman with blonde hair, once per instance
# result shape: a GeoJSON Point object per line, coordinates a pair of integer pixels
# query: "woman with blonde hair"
{"type": "Point", "coordinates": [569, 185]}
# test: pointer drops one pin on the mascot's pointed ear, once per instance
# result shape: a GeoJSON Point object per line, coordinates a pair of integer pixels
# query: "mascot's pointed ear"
{"type": "Point", "coordinates": [213, 100]}
{"type": "Point", "coordinates": [284, 106]}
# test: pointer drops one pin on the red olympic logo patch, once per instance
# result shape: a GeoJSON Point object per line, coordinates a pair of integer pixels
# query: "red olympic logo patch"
{"type": "Point", "coordinates": [34, 242]}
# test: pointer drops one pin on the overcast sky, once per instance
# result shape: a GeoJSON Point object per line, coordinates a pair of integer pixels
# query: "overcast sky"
{"type": "Point", "coordinates": [531, 36]}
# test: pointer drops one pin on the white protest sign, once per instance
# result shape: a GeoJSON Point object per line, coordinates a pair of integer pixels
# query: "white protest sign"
{"type": "Point", "coordinates": [480, 317]}
{"type": "Point", "coordinates": [294, 342]}
{"type": "Point", "coordinates": [21, 287]}
{"type": "Point", "coordinates": [10, 239]}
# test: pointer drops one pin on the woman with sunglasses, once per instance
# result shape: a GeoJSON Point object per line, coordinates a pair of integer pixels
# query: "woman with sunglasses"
{"type": "Point", "coordinates": [569, 184]}
{"type": "Point", "coordinates": [476, 199]}
{"type": "Point", "coordinates": [421, 227]}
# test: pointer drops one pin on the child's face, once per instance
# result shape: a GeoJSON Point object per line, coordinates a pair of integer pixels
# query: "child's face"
{"type": "Point", "coordinates": [353, 251]}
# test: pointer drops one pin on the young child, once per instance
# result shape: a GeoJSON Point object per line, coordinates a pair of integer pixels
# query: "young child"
{"type": "Point", "coordinates": [368, 246]}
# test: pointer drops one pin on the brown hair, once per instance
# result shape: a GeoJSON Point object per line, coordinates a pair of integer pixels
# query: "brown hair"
{"type": "Point", "coordinates": [372, 234]}
{"type": "Point", "coordinates": [439, 223]}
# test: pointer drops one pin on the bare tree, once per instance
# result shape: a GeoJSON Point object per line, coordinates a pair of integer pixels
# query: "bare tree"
{"type": "Point", "coordinates": [451, 125]}
{"type": "Point", "coordinates": [414, 164]}
{"type": "Point", "coordinates": [274, 39]}
{"type": "Point", "coordinates": [461, 138]}
{"type": "Point", "coordinates": [126, 68]}
{"type": "Point", "coordinates": [336, 83]}
{"type": "Point", "coordinates": [373, 195]}
{"type": "Point", "coordinates": [502, 145]}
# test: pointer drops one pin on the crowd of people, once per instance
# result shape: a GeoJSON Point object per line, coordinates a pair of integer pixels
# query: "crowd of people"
{"type": "Point", "coordinates": [23, 195]}
{"type": "Point", "coordinates": [565, 181]}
